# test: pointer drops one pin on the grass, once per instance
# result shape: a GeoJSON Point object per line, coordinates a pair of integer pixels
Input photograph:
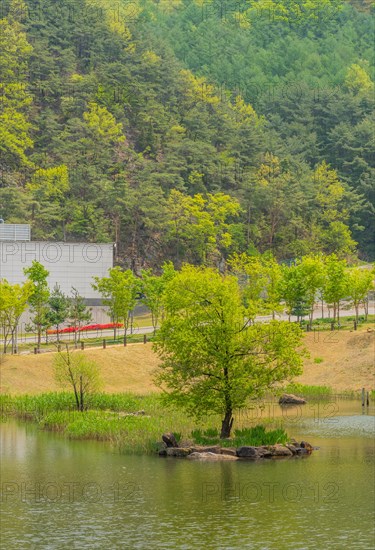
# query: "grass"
{"type": "Point", "coordinates": [255, 436]}
{"type": "Point", "coordinates": [111, 418]}
{"type": "Point", "coordinates": [346, 322]}
{"type": "Point", "coordinates": [309, 391]}
{"type": "Point", "coordinates": [318, 360]}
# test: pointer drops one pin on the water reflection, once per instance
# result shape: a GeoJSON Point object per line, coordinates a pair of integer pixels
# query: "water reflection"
{"type": "Point", "coordinates": [71, 494]}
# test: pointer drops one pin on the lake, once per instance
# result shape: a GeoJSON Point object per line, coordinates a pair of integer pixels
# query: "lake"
{"type": "Point", "coordinates": [58, 493]}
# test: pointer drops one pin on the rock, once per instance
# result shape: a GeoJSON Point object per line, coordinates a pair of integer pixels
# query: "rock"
{"type": "Point", "coordinates": [211, 457]}
{"type": "Point", "coordinates": [206, 449]}
{"type": "Point", "coordinates": [290, 399]}
{"type": "Point", "coordinates": [230, 451]}
{"type": "Point", "coordinates": [170, 440]}
{"type": "Point", "coordinates": [309, 448]}
{"type": "Point", "coordinates": [279, 450]}
{"type": "Point", "coordinates": [179, 452]}
{"type": "Point", "coordinates": [292, 448]}
{"type": "Point", "coordinates": [162, 452]}
{"type": "Point", "coordinates": [249, 452]}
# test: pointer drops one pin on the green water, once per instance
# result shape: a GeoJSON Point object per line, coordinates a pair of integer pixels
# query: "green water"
{"type": "Point", "coordinates": [77, 494]}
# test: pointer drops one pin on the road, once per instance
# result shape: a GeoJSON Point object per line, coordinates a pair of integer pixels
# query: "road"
{"type": "Point", "coordinates": [148, 330]}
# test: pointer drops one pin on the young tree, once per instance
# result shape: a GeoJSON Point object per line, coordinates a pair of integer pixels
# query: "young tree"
{"type": "Point", "coordinates": [312, 273]}
{"type": "Point", "coordinates": [38, 301]}
{"type": "Point", "coordinates": [259, 276]}
{"type": "Point", "coordinates": [272, 272]}
{"type": "Point", "coordinates": [360, 282]}
{"type": "Point", "coordinates": [293, 291]}
{"type": "Point", "coordinates": [119, 291]}
{"type": "Point", "coordinates": [58, 311]}
{"type": "Point", "coordinates": [152, 288]}
{"type": "Point", "coordinates": [75, 370]}
{"type": "Point", "coordinates": [213, 361]}
{"type": "Point", "coordinates": [13, 302]}
{"type": "Point", "coordinates": [78, 312]}
{"type": "Point", "coordinates": [335, 283]}
{"type": "Point", "coordinates": [252, 279]}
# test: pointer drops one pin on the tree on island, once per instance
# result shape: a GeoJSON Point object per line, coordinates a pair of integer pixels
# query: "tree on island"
{"type": "Point", "coordinates": [212, 360]}
{"type": "Point", "coordinates": [74, 370]}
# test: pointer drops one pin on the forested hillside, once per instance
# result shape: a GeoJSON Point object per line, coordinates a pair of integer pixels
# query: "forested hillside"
{"type": "Point", "coordinates": [190, 129]}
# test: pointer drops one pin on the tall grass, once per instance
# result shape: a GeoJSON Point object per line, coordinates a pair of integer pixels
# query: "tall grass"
{"type": "Point", "coordinates": [255, 436]}
{"type": "Point", "coordinates": [309, 391]}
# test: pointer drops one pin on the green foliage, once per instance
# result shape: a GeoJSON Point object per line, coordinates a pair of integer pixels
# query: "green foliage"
{"type": "Point", "coordinates": [212, 360]}
{"type": "Point", "coordinates": [335, 284]}
{"type": "Point", "coordinates": [13, 302]}
{"type": "Point", "coordinates": [153, 288]}
{"type": "Point", "coordinates": [256, 436]}
{"type": "Point", "coordinates": [58, 308]}
{"type": "Point", "coordinates": [309, 391]}
{"type": "Point", "coordinates": [153, 130]}
{"type": "Point", "coordinates": [259, 277]}
{"type": "Point", "coordinates": [78, 313]}
{"type": "Point", "coordinates": [37, 276]}
{"type": "Point", "coordinates": [359, 283]}
{"type": "Point", "coordinates": [119, 291]}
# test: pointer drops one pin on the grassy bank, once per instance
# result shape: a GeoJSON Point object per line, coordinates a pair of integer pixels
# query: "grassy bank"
{"type": "Point", "coordinates": [343, 361]}
{"type": "Point", "coordinates": [134, 424]}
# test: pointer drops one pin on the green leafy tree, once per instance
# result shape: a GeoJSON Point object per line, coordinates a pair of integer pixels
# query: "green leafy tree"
{"type": "Point", "coordinates": [293, 291]}
{"type": "Point", "coordinates": [13, 302]}
{"type": "Point", "coordinates": [199, 226]}
{"type": "Point", "coordinates": [335, 284]}
{"type": "Point", "coordinates": [360, 282]}
{"type": "Point", "coordinates": [259, 278]}
{"type": "Point", "coordinates": [213, 361]}
{"type": "Point", "coordinates": [15, 100]}
{"type": "Point", "coordinates": [152, 288]}
{"type": "Point", "coordinates": [312, 273]}
{"type": "Point", "coordinates": [78, 313]}
{"type": "Point", "coordinates": [37, 275]}
{"type": "Point", "coordinates": [74, 370]}
{"type": "Point", "coordinates": [119, 291]}
{"type": "Point", "coordinates": [58, 309]}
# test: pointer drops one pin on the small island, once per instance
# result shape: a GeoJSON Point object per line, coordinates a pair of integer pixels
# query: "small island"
{"type": "Point", "coordinates": [245, 452]}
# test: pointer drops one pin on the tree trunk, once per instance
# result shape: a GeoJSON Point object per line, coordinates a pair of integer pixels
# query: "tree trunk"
{"type": "Point", "coordinates": [81, 393]}
{"type": "Point", "coordinates": [226, 424]}
{"type": "Point", "coordinates": [366, 308]}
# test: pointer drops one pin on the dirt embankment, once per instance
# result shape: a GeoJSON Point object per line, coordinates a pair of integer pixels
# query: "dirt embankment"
{"type": "Point", "coordinates": [344, 361]}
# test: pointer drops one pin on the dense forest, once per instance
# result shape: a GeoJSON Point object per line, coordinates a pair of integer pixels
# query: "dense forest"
{"type": "Point", "coordinates": [189, 130]}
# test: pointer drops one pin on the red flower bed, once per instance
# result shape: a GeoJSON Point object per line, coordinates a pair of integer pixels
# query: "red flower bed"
{"type": "Point", "coordinates": [69, 330]}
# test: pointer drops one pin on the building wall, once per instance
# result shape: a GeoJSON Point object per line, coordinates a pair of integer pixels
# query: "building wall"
{"type": "Point", "coordinates": [69, 264]}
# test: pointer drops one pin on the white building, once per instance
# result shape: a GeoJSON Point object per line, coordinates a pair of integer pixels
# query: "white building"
{"type": "Point", "coordinates": [69, 264]}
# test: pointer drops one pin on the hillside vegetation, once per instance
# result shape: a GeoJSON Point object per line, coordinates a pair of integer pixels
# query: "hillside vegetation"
{"type": "Point", "coordinates": [164, 126]}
